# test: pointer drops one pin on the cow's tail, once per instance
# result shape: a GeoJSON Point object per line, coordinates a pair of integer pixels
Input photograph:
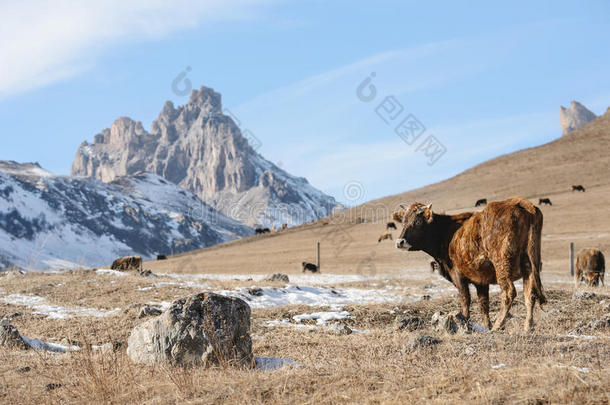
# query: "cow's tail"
{"type": "Point", "coordinates": [533, 252]}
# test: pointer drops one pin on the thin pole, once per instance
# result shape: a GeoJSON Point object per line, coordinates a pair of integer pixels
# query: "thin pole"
{"type": "Point", "coordinates": [572, 259]}
{"type": "Point", "coordinates": [318, 256]}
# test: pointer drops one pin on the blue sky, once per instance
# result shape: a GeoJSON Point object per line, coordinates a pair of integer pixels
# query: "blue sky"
{"type": "Point", "coordinates": [484, 79]}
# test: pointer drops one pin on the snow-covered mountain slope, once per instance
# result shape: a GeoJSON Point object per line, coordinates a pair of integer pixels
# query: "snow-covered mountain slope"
{"type": "Point", "coordinates": [200, 148]}
{"type": "Point", "coordinates": [49, 221]}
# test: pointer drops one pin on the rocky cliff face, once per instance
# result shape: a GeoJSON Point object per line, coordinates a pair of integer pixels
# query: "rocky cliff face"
{"type": "Point", "coordinates": [202, 150]}
{"type": "Point", "coordinates": [574, 117]}
{"type": "Point", "coordinates": [49, 221]}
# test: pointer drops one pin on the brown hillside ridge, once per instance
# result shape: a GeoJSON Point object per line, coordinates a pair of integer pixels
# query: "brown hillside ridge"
{"type": "Point", "coordinates": [348, 246]}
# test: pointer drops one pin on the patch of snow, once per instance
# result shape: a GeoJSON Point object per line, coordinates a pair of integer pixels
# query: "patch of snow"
{"type": "Point", "coordinates": [477, 328]}
{"type": "Point", "coordinates": [273, 363]}
{"type": "Point", "coordinates": [322, 318]}
{"type": "Point", "coordinates": [575, 336]}
{"type": "Point", "coordinates": [111, 272]}
{"type": "Point", "coordinates": [497, 366]}
{"type": "Point", "coordinates": [42, 307]}
{"type": "Point", "coordinates": [37, 344]}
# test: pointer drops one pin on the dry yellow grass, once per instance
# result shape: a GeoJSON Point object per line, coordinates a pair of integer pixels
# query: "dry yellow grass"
{"type": "Point", "coordinates": [545, 366]}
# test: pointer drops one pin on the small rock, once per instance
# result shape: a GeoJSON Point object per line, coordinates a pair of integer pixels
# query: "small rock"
{"type": "Point", "coordinates": [279, 277]}
{"type": "Point", "coordinates": [23, 369]}
{"type": "Point", "coordinates": [583, 295]}
{"type": "Point", "coordinates": [10, 337]}
{"type": "Point", "coordinates": [469, 351]}
{"type": "Point", "coordinates": [146, 273]}
{"type": "Point", "coordinates": [408, 322]}
{"type": "Point", "coordinates": [52, 386]}
{"type": "Point", "coordinates": [255, 291]}
{"type": "Point", "coordinates": [340, 329]}
{"type": "Point", "coordinates": [451, 323]}
{"type": "Point", "coordinates": [601, 323]}
{"type": "Point", "coordinates": [418, 341]}
{"type": "Point", "coordinates": [148, 310]}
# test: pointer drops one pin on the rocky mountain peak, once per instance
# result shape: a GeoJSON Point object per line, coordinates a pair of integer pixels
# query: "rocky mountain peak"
{"type": "Point", "coordinates": [202, 150]}
{"type": "Point", "coordinates": [574, 117]}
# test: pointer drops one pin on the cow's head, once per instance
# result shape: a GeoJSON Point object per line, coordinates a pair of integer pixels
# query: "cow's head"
{"type": "Point", "coordinates": [592, 278]}
{"type": "Point", "coordinates": [416, 221]}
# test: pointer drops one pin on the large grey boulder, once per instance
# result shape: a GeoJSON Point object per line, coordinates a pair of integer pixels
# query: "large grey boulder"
{"type": "Point", "coordinates": [200, 330]}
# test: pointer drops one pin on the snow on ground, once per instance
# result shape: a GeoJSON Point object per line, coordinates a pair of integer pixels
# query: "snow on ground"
{"type": "Point", "coordinates": [322, 318]}
{"type": "Point", "coordinates": [273, 363]}
{"type": "Point", "coordinates": [111, 272]}
{"type": "Point", "coordinates": [313, 279]}
{"type": "Point", "coordinates": [37, 344]}
{"type": "Point", "coordinates": [42, 307]}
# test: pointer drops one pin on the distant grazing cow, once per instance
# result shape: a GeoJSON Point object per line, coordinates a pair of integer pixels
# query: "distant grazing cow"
{"type": "Point", "coordinates": [578, 188]}
{"type": "Point", "coordinates": [127, 263]}
{"type": "Point", "coordinates": [590, 267]}
{"type": "Point", "coordinates": [498, 245]}
{"type": "Point", "coordinates": [546, 201]}
{"type": "Point", "coordinates": [309, 267]}
{"type": "Point", "coordinates": [260, 231]}
{"type": "Point", "coordinates": [482, 201]}
{"type": "Point", "coordinates": [390, 225]}
{"type": "Point", "coordinates": [161, 257]}
{"type": "Point", "coordinates": [385, 236]}
{"type": "Point", "coordinates": [434, 266]}
{"type": "Point", "coordinates": [284, 226]}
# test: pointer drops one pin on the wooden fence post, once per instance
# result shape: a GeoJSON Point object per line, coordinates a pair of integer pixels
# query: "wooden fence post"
{"type": "Point", "coordinates": [572, 259]}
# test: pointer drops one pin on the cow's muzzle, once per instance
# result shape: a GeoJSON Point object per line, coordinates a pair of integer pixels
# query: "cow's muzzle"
{"type": "Point", "coordinates": [403, 244]}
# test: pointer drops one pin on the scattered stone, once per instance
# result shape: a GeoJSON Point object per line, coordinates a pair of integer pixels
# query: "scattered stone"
{"type": "Point", "coordinates": [417, 341]}
{"type": "Point", "coordinates": [279, 277]}
{"type": "Point", "coordinates": [199, 330]}
{"type": "Point", "coordinates": [602, 323]}
{"type": "Point", "coordinates": [148, 310]}
{"type": "Point", "coordinates": [10, 337]}
{"type": "Point", "coordinates": [408, 322]}
{"type": "Point", "coordinates": [583, 295]}
{"type": "Point", "coordinates": [52, 386]}
{"type": "Point", "coordinates": [15, 273]}
{"type": "Point", "coordinates": [454, 323]}
{"type": "Point", "coordinates": [146, 273]}
{"type": "Point", "coordinates": [340, 329]}
{"type": "Point", "coordinates": [23, 369]}
{"type": "Point", "coordinates": [469, 351]}
{"type": "Point", "coordinates": [255, 291]}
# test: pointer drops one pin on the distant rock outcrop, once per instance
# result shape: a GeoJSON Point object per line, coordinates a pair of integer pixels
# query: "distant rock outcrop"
{"type": "Point", "coordinates": [574, 117]}
{"type": "Point", "coordinates": [202, 150]}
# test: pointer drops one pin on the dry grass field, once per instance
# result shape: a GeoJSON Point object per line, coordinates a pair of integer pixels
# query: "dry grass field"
{"type": "Point", "coordinates": [364, 285]}
{"type": "Point", "coordinates": [555, 364]}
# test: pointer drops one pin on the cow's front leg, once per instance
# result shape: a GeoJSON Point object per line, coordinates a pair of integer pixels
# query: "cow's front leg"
{"type": "Point", "coordinates": [483, 302]}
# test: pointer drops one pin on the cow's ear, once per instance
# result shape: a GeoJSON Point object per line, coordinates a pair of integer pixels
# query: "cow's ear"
{"type": "Point", "coordinates": [399, 216]}
{"type": "Point", "coordinates": [428, 213]}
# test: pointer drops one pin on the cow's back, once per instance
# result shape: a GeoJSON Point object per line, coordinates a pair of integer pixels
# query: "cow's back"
{"type": "Point", "coordinates": [501, 229]}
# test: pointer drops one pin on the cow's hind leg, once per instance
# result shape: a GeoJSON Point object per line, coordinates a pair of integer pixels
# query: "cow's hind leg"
{"type": "Point", "coordinates": [503, 271]}
{"type": "Point", "coordinates": [530, 301]}
{"type": "Point", "coordinates": [483, 302]}
{"type": "Point", "coordinates": [462, 286]}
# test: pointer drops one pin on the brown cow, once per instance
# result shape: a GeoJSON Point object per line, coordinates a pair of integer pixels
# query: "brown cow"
{"type": "Point", "coordinates": [498, 245]}
{"type": "Point", "coordinates": [578, 188]}
{"type": "Point", "coordinates": [590, 267]}
{"type": "Point", "coordinates": [284, 226]}
{"type": "Point", "coordinates": [390, 225]}
{"type": "Point", "coordinates": [127, 263]}
{"type": "Point", "coordinates": [385, 236]}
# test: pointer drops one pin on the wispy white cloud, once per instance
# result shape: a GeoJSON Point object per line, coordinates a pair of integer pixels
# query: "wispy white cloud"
{"type": "Point", "coordinates": [44, 41]}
